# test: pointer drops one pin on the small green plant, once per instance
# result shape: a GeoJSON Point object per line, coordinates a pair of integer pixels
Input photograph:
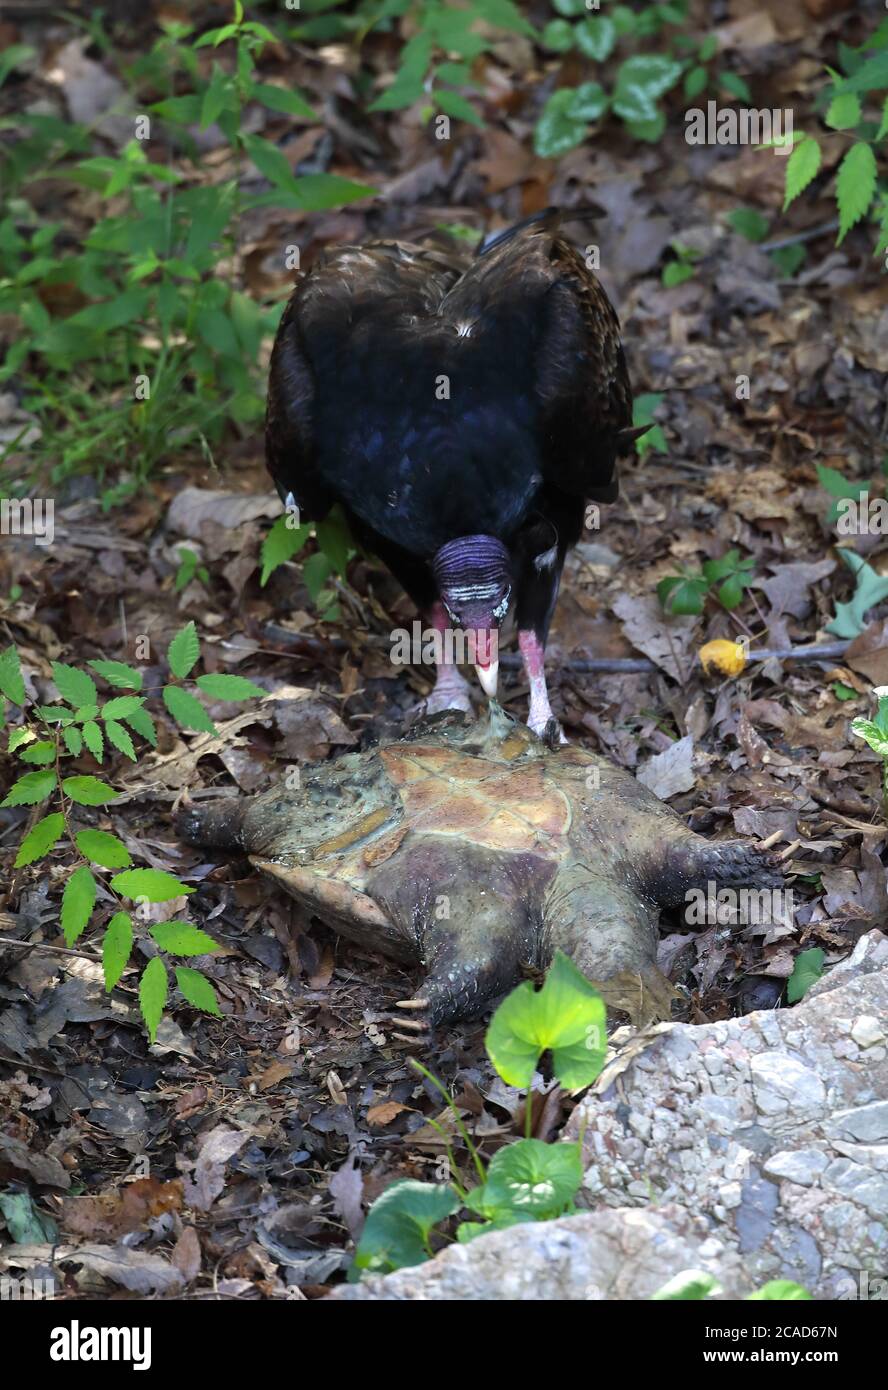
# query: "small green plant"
{"type": "Point", "coordinates": [527, 1180]}
{"type": "Point", "coordinates": [435, 64]}
{"type": "Point", "coordinates": [189, 568]}
{"type": "Point", "coordinates": [641, 79]}
{"type": "Point", "coordinates": [45, 739]}
{"type": "Point", "coordinates": [726, 579]}
{"type": "Point", "coordinates": [806, 971]}
{"type": "Point", "coordinates": [644, 408]}
{"type": "Point", "coordinates": [874, 733]}
{"type": "Point", "coordinates": [695, 1285]}
{"type": "Point", "coordinates": [287, 538]}
{"type": "Point", "coordinates": [131, 341]}
{"type": "Point", "coordinates": [870, 588]}
{"type": "Point", "coordinates": [675, 272]}
{"type": "Point", "coordinates": [855, 107]}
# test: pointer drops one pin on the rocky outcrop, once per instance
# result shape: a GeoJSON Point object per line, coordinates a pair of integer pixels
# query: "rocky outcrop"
{"type": "Point", "coordinates": [773, 1127]}
{"type": "Point", "coordinates": [755, 1149]}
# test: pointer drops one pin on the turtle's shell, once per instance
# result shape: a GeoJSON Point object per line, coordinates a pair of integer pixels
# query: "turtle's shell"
{"type": "Point", "coordinates": [446, 792]}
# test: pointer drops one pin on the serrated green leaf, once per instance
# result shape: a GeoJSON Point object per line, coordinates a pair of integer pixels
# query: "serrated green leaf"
{"type": "Point", "coordinates": [88, 791]}
{"type": "Point", "coordinates": [119, 737]}
{"type": "Point", "coordinates": [103, 848]}
{"type": "Point", "coordinates": [74, 686]}
{"type": "Point", "coordinates": [54, 714]}
{"type": "Point", "coordinates": [117, 945]}
{"type": "Point", "coordinates": [28, 790]}
{"type": "Point", "coordinates": [11, 683]}
{"type": "Point", "coordinates": [183, 939]}
{"type": "Point", "coordinates": [223, 687]}
{"type": "Point", "coordinates": [40, 839]}
{"type": "Point", "coordinates": [94, 739]}
{"type": "Point", "coordinates": [801, 167]}
{"type": "Point", "coordinates": [118, 674]}
{"type": "Point", "coordinates": [844, 111]}
{"type": "Point", "coordinates": [855, 186]}
{"type": "Point", "coordinates": [197, 990]}
{"type": "Point", "coordinates": [187, 711]}
{"type": "Point", "coordinates": [153, 994]}
{"type": "Point", "coordinates": [73, 739]}
{"type": "Point", "coordinates": [183, 651]}
{"type": "Point", "coordinates": [122, 706]}
{"type": "Point", "coordinates": [78, 901]}
{"type": "Point", "coordinates": [143, 724]}
{"type": "Point", "coordinates": [281, 544]}
{"type": "Point", "coordinates": [40, 753]}
{"type": "Point", "coordinates": [155, 885]}
{"type": "Point", "coordinates": [19, 737]}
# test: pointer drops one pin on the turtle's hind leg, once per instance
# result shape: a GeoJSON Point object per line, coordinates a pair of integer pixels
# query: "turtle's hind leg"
{"type": "Point", "coordinates": [695, 865]}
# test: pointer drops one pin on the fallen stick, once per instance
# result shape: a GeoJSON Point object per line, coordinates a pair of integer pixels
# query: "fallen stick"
{"type": "Point", "coordinates": [316, 648]}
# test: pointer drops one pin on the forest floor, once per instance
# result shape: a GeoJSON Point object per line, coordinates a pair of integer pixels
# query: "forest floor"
{"type": "Point", "coordinates": [274, 1123]}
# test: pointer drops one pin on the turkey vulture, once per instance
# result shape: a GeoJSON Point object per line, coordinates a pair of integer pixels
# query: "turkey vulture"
{"type": "Point", "coordinates": [462, 409]}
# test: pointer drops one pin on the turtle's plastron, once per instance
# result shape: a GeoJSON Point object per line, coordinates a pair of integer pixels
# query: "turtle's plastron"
{"type": "Point", "coordinates": [473, 851]}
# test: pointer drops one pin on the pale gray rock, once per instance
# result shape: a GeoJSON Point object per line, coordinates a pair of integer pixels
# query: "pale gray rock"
{"type": "Point", "coordinates": [772, 1165]}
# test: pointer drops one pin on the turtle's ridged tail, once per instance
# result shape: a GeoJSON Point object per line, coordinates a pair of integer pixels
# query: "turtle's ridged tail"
{"type": "Point", "coordinates": [214, 826]}
{"type": "Point", "coordinates": [696, 863]}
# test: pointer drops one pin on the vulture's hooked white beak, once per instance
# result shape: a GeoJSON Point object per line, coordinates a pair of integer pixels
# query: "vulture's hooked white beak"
{"type": "Point", "coordinates": [487, 675]}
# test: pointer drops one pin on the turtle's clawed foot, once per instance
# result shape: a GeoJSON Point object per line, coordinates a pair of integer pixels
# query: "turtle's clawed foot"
{"type": "Point", "coordinates": [415, 1019]}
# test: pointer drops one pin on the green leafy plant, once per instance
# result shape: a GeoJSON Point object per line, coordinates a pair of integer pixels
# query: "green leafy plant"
{"type": "Point", "coordinates": [150, 345]}
{"type": "Point", "coordinates": [855, 107]}
{"type": "Point", "coordinates": [46, 739]}
{"type": "Point", "coordinates": [806, 971]}
{"type": "Point", "coordinates": [726, 579]}
{"type": "Point", "coordinates": [874, 733]}
{"type": "Point", "coordinates": [675, 272]}
{"type": "Point", "coordinates": [435, 63]}
{"type": "Point", "coordinates": [189, 568]}
{"type": "Point", "coordinates": [288, 537]}
{"type": "Point", "coordinates": [641, 79]}
{"type": "Point", "coordinates": [870, 588]}
{"type": "Point", "coordinates": [527, 1180]}
{"type": "Point", "coordinates": [644, 408]}
{"type": "Point", "coordinates": [696, 1285]}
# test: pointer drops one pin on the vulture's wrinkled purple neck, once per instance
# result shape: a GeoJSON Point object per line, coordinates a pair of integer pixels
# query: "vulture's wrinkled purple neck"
{"type": "Point", "coordinates": [473, 572]}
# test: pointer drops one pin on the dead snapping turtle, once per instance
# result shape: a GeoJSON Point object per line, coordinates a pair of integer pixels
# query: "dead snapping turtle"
{"type": "Point", "coordinates": [474, 850]}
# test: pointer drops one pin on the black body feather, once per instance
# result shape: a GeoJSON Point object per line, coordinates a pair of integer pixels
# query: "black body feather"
{"type": "Point", "coordinates": [536, 410]}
